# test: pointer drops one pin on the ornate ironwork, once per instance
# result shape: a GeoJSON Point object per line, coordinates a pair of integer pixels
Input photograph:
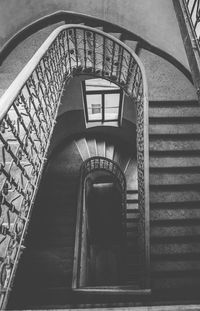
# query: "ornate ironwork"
{"type": "Point", "coordinates": [194, 14]}
{"type": "Point", "coordinates": [105, 164]}
{"type": "Point", "coordinates": [28, 111]}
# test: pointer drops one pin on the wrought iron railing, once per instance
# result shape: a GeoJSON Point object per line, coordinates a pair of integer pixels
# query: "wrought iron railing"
{"type": "Point", "coordinates": [194, 14]}
{"type": "Point", "coordinates": [91, 165]}
{"type": "Point", "coordinates": [188, 14]}
{"type": "Point", "coordinates": [105, 164]}
{"type": "Point", "coordinates": [28, 111]}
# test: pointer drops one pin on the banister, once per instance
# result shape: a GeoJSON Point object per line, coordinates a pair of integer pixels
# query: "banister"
{"type": "Point", "coordinates": [28, 111]}
{"type": "Point", "coordinates": [11, 93]}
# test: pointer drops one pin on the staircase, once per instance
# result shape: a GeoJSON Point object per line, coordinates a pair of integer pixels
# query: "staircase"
{"type": "Point", "coordinates": [47, 262]}
{"type": "Point", "coordinates": [89, 147]}
{"type": "Point", "coordinates": [175, 198]}
{"type": "Point", "coordinates": [174, 201]}
{"type": "Point", "coordinates": [132, 216]}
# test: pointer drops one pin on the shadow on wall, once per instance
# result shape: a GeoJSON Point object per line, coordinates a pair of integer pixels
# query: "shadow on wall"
{"type": "Point", "coordinates": [72, 124]}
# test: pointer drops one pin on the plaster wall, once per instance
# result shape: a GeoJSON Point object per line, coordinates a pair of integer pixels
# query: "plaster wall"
{"type": "Point", "coordinates": [153, 20]}
{"type": "Point", "coordinates": [72, 99]}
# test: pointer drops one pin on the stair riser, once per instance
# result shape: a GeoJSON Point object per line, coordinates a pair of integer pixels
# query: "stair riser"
{"type": "Point", "coordinates": [176, 230]}
{"type": "Point", "coordinates": [174, 196]}
{"type": "Point", "coordinates": [174, 112]}
{"type": "Point", "coordinates": [175, 248]}
{"type": "Point", "coordinates": [168, 266]}
{"type": "Point", "coordinates": [167, 214]}
{"type": "Point", "coordinates": [163, 161]}
{"type": "Point", "coordinates": [174, 128]}
{"type": "Point", "coordinates": [171, 179]}
{"type": "Point", "coordinates": [174, 145]}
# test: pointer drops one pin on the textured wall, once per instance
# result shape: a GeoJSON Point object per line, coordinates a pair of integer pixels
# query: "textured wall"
{"type": "Point", "coordinates": [154, 20]}
{"type": "Point", "coordinates": [73, 100]}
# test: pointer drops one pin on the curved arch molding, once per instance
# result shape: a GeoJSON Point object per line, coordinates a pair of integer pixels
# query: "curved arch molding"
{"type": "Point", "coordinates": [76, 18]}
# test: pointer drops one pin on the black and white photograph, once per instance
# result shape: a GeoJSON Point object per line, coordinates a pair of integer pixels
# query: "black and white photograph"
{"type": "Point", "coordinates": [100, 155]}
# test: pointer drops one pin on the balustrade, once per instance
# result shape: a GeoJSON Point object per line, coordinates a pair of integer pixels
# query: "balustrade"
{"type": "Point", "coordinates": [28, 112]}
{"type": "Point", "coordinates": [194, 14]}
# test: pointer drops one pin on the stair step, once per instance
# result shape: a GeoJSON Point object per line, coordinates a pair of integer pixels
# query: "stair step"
{"type": "Point", "coordinates": [171, 128]}
{"type": "Point", "coordinates": [176, 109]}
{"type": "Point", "coordinates": [174, 196]}
{"type": "Point", "coordinates": [174, 115]}
{"type": "Point", "coordinates": [83, 148]}
{"type": "Point", "coordinates": [131, 191]}
{"type": "Point", "coordinates": [188, 212]}
{"type": "Point", "coordinates": [132, 215]}
{"type": "Point", "coordinates": [92, 147]}
{"type": "Point", "coordinates": [131, 44]}
{"type": "Point", "coordinates": [117, 156]}
{"type": "Point", "coordinates": [132, 201]}
{"type": "Point", "coordinates": [133, 290]}
{"type": "Point", "coordinates": [175, 248]}
{"type": "Point", "coordinates": [174, 144]}
{"type": "Point", "coordinates": [132, 226]}
{"type": "Point", "coordinates": [131, 175]}
{"type": "Point", "coordinates": [132, 195]}
{"type": "Point", "coordinates": [168, 161]}
{"type": "Point", "coordinates": [101, 148]}
{"type": "Point", "coordinates": [132, 208]}
{"type": "Point", "coordinates": [159, 178]}
{"type": "Point", "coordinates": [109, 150]}
{"type": "Point", "coordinates": [180, 265]}
{"type": "Point", "coordinates": [192, 232]}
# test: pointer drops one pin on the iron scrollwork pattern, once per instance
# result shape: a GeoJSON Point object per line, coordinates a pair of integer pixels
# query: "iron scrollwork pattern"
{"type": "Point", "coordinates": [143, 219]}
{"type": "Point", "coordinates": [25, 131]}
{"type": "Point", "coordinates": [27, 123]}
{"type": "Point", "coordinates": [194, 14]}
{"type": "Point", "coordinates": [101, 163]}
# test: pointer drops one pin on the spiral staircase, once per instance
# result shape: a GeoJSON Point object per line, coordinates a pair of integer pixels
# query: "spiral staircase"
{"type": "Point", "coordinates": [44, 263]}
{"type": "Point", "coordinates": [174, 168]}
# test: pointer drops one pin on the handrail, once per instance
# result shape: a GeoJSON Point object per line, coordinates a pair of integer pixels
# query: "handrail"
{"type": "Point", "coordinates": [28, 111]}
{"type": "Point", "coordinates": [188, 14]}
{"type": "Point", "coordinates": [89, 166]}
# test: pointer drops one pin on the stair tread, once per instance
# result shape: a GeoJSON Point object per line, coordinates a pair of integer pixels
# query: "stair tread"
{"type": "Point", "coordinates": [101, 147]}
{"type": "Point", "coordinates": [174, 129]}
{"type": "Point", "coordinates": [109, 150]}
{"type": "Point", "coordinates": [83, 148]}
{"type": "Point", "coordinates": [92, 147]}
